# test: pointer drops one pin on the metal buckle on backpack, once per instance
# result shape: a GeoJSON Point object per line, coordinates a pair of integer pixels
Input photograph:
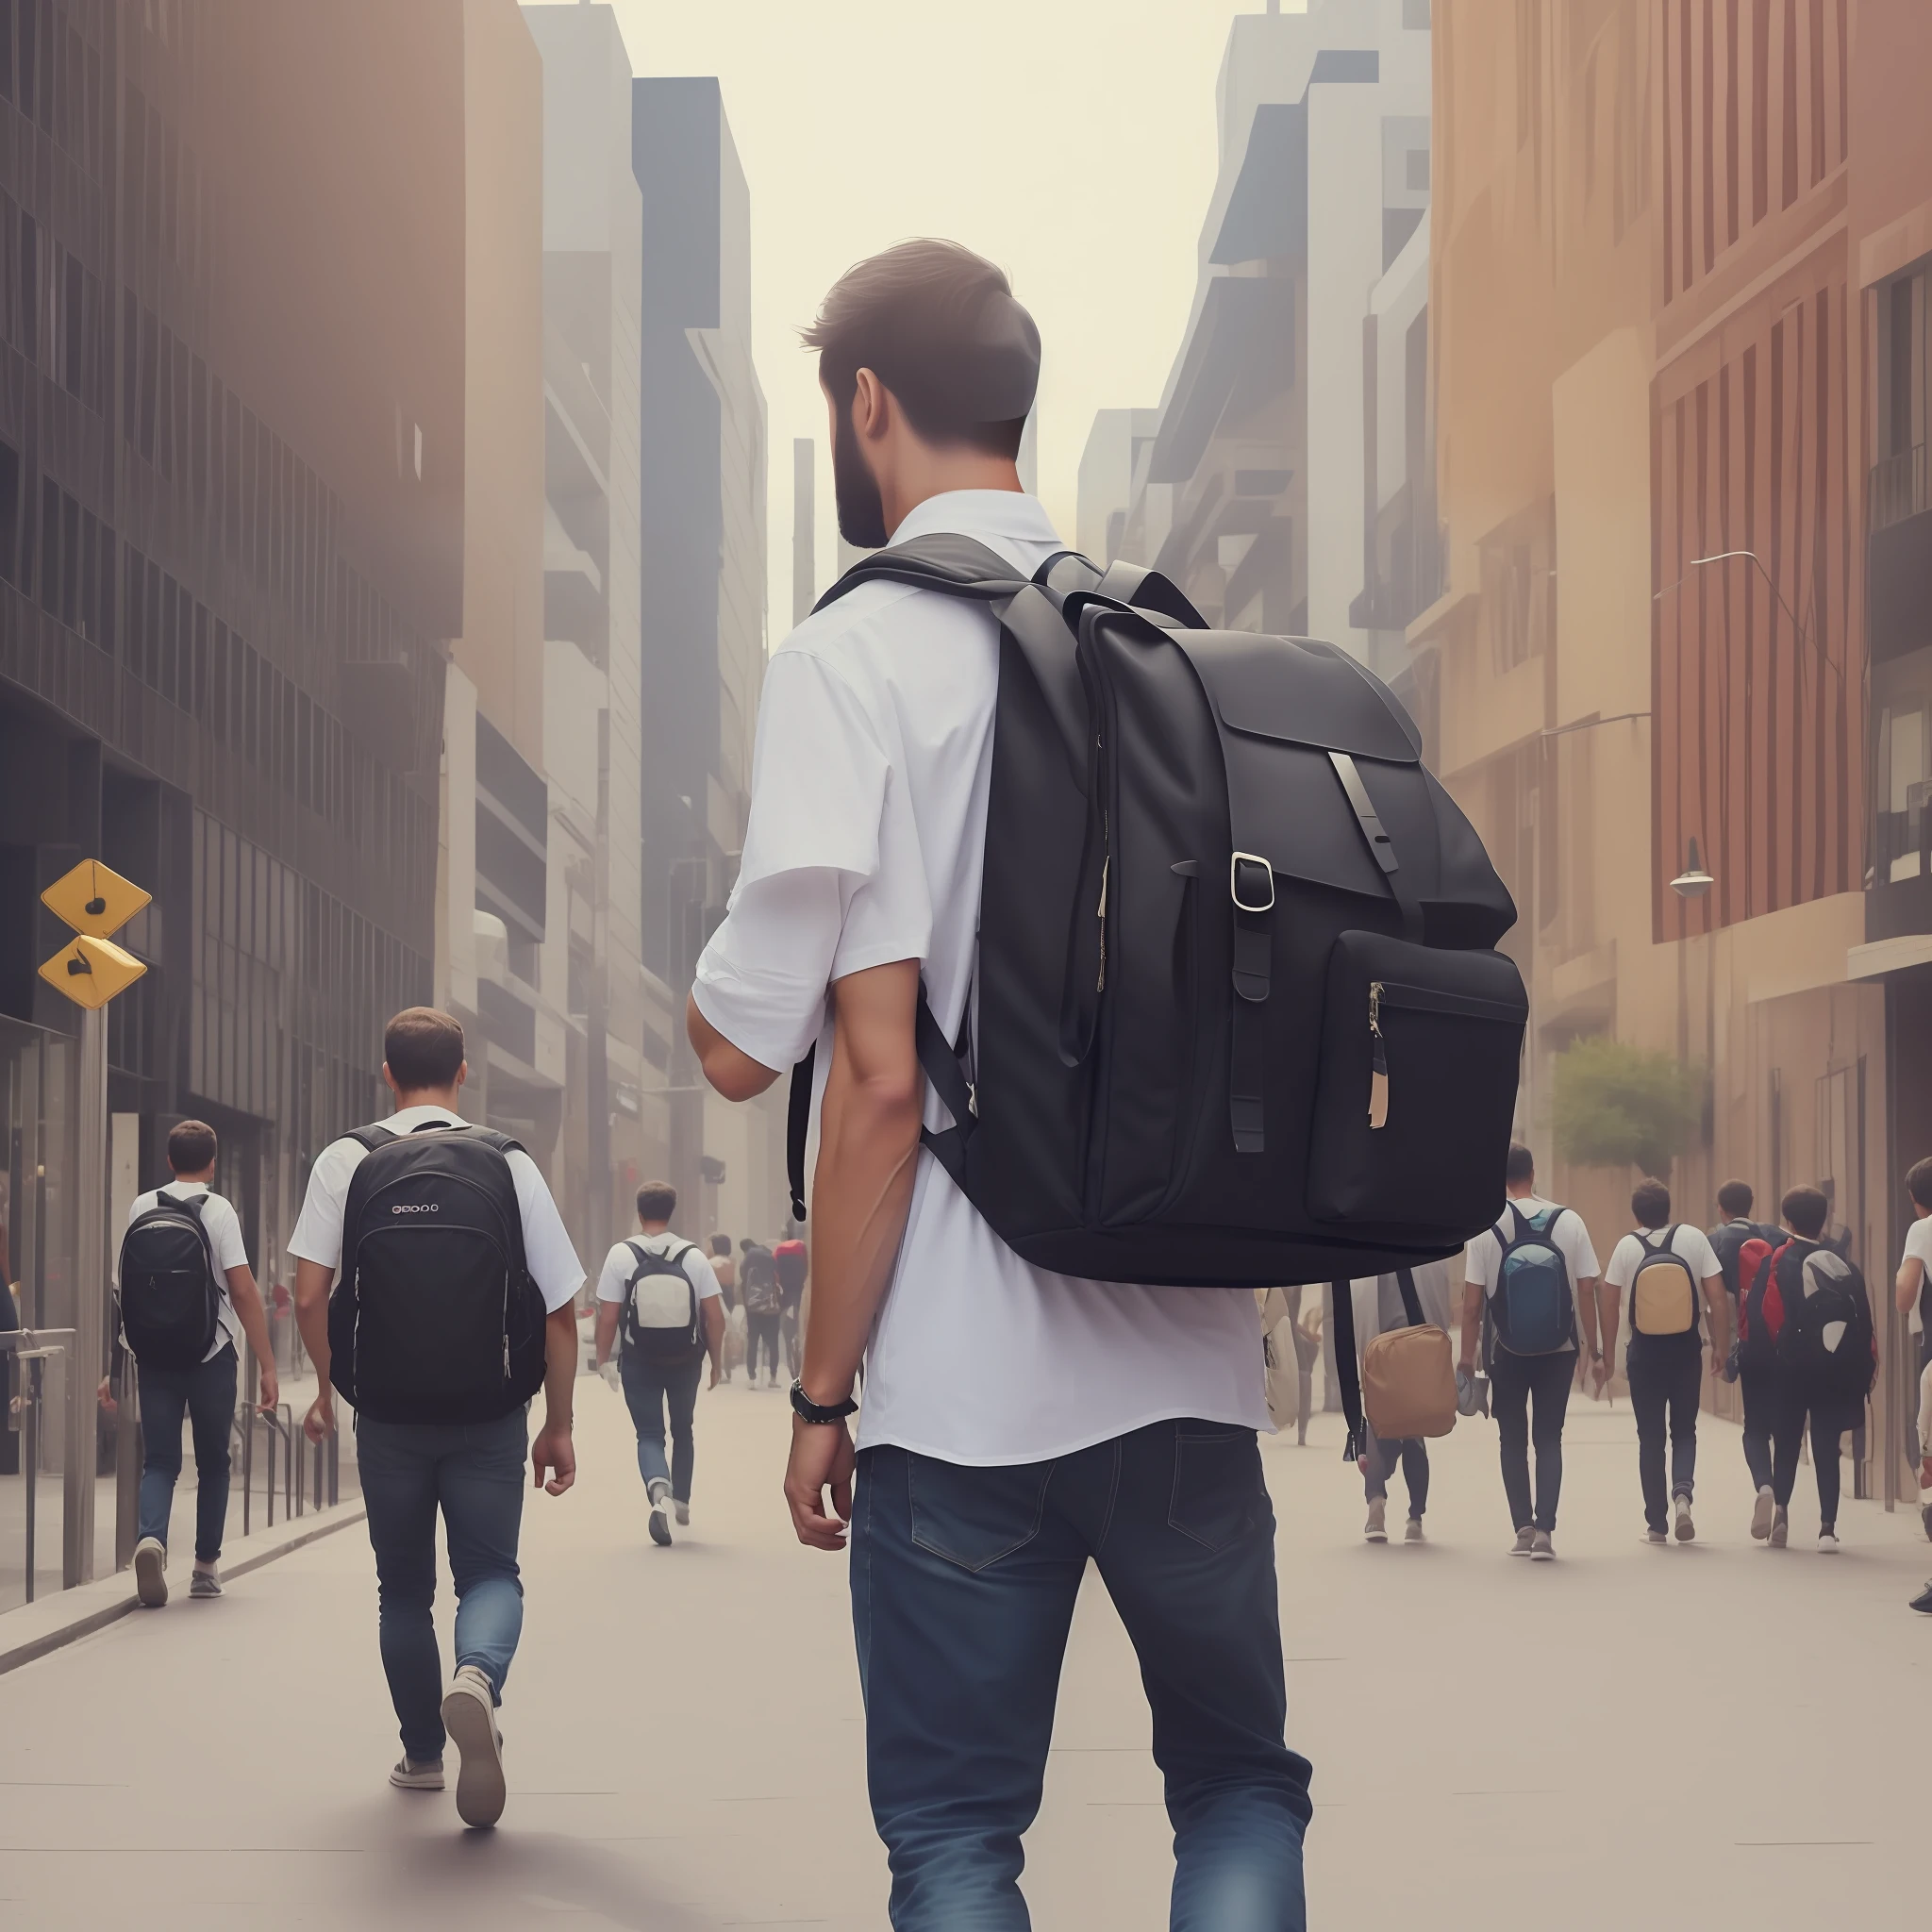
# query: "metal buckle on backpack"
{"type": "Point", "coordinates": [1234, 881]}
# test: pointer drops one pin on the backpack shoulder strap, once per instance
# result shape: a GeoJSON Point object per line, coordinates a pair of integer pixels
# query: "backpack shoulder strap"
{"type": "Point", "coordinates": [953, 565]}
{"type": "Point", "coordinates": [1411, 1302]}
{"type": "Point", "coordinates": [370, 1138]}
{"type": "Point", "coordinates": [489, 1137]}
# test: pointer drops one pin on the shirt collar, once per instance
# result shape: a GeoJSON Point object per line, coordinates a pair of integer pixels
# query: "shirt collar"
{"type": "Point", "coordinates": [189, 1187]}
{"type": "Point", "coordinates": [405, 1118]}
{"type": "Point", "coordinates": [1009, 513]}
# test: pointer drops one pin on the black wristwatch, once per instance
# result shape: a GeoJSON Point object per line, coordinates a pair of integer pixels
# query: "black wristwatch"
{"type": "Point", "coordinates": [807, 1410]}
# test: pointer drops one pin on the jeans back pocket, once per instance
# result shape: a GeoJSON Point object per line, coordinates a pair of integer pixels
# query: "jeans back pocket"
{"type": "Point", "coordinates": [972, 1516]}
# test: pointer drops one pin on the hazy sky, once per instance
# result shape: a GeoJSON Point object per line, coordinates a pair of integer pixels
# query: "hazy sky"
{"type": "Point", "coordinates": [1071, 140]}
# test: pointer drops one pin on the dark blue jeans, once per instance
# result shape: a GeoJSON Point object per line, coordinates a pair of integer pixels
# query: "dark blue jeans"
{"type": "Point", "coordinates": [649, 1390]}
{"type": "Point", "coordinates": [206, 1395]}
{"type": "Point", "coordinates": [476, 1475]}
{"type": "Point", "coordinates": [963, 1582]}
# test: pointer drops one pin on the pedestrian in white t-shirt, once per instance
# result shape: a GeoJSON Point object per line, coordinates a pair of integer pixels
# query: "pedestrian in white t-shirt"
{"type": "Point", "coordinates": [1914, 1272]}
{"type": "Point", "coordinates": [1670, 1270]}
{"type": "Point", "coordinates": [1017, 1425]}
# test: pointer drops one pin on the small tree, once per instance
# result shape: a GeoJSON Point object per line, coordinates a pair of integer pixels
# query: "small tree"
{"type": "Point", "coordinates": [1621, 1105]}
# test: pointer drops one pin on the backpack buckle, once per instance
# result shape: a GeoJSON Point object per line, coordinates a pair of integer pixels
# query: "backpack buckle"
{"type": "Point", "coordinates": [1250, 870]}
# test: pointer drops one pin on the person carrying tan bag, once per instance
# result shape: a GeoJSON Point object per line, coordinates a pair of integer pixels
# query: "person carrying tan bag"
{"type": "Point", "coordinates": [1408, 1384]}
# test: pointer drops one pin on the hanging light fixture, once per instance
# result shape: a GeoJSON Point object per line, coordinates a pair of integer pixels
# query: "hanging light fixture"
{"type": "Point", "coordinates": [1693, 881]}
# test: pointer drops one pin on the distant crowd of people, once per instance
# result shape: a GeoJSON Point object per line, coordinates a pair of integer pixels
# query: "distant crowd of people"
{"type": "Point", "coordinates": [1780, 1309]}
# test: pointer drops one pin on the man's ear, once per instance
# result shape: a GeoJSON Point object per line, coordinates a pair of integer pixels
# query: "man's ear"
{"type": "Point", "coordinates": [389, 1079]}
{"type": "Point", "coordinates": [871, 405]}
{"type": "Point", "coordinates": [462, 1073]}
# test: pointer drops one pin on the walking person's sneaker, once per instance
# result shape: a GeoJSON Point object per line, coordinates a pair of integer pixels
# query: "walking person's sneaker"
{"type": "Point", "coordinates": [1687, 1530]}
{"type": "Point", "coordinates": [205, 1582]}
{"type": "Point", "coordinates": [151, 1572]}
{"type": "Point", "coordinates": [1780, 1526]}
{"type": "Point", "coordinates": [469, 1715]}
{"type": "Point", "coordinates": [659, 1492]}
{"type": "Point", "coordinates": [681, 1509]}
{"type": "Point", "coordinates": [1541, 1548]}
{"type": "Point", "coordinates": [1761, 1512]}
{"type": "Point", "coordinates": [1827, 1541]}
{"type": "Point", "coordinates": [1655, 1536]}
{"type": "Point", "coordinates": [1926, 1519]}
{"type": "Point", "coordinates": [1524, 1544]}
{"type": "Point", "coordinates": [411, 1777]}
{"type": "Point", "coordinates": [1375, 1530]}
{"type": "Point", "coordinates": [1413, 1533]}
{"type": "Point", "coordinates": [1923, 1602]}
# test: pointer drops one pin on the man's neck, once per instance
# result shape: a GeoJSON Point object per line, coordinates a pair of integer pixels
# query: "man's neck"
{"type": "Point", "coordinates": [442, 1097]}
{"type": "Point", "coordinates": [939, 473]}
{"type": "Point", "coordinates": [1527, 1193]}
{"type": "Point", "coordinates": [649, 1227]}
{"type": "Point", "coordinates": [193, 1180]}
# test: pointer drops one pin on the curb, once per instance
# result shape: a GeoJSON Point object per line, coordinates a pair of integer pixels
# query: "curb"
{"type": "Point", "coordinates": [34, 1630]}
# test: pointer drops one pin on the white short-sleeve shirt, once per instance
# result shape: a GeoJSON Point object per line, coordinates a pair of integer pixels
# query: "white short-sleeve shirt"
{"type": "Point", "coordinates": [620, 1263]}
{"type": "Point", "coordinates": [318, 1237]}
{"type": "Point", "coordinates": [864, 846]}
{"type": "Point", "coordinates": [1483, 1257]}
{"type": "Point", "coordinates": [223, 1227]}
{"type": "Point", "coordinates": [1690, 1245]}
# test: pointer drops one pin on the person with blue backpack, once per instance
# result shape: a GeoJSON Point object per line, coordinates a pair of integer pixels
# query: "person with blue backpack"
{"type": "Point", "coordinates": [1526, 1279]}
{"type": "Point", "coordinates": [1667, 1269]}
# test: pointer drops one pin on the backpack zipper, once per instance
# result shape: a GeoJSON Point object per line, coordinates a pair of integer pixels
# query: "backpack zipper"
{"type": "Point", "coordinates": [1378, 1061]}
{"type": "Point", "coordinates": [1100, 912]}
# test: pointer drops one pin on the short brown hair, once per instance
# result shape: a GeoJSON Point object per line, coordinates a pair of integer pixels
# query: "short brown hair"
{"type": "Point", "coordinates": [423, 1047]}
{"type": "Point", "coordinates": [1650, 1201]}
{"type": "Point", "coordinates": [191, 1147]}
{"type": "Point", "coordinates": [1919, 1182]}
{"type": "Point", "coordinates": [1805, 1209]}
{"type": "Point", "coordinates": [657, 1201]}
{"type": "Point", "coordinates": [1735, 1197]}
{"type": "Point", "coordinates": [1520, 1168]}
{"type": "Point", "coordinates": [939, 326]}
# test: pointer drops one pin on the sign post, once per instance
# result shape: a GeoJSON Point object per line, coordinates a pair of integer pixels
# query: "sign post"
{"type": "Point", "coordinates": [96, 903]}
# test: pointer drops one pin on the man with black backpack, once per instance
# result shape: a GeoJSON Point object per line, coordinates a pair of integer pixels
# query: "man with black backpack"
{"type": "Point", "coordinates": [187, 1292]}
{"type": "Point", "coordinates": [1672, 1274]}
{"type": "Point", "coordinates": [659, 1293]}
{"type": "Point", "coordinates": [1527, 1281]}
{"type": "Point", "coordinates": [1019, 1422]}
{"type": "Point", "coordinates": [453, 1304]}
{"type": "Point", "coordinates": [764, 1309]}
{"type": "Point", "coordinates": [1807, 1310]}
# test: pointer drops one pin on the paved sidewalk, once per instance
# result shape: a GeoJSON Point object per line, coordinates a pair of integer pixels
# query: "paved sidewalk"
{"type": "Point", "coordinates": [1717, 1733]}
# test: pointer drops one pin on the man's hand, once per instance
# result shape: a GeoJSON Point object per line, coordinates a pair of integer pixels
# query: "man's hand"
{"type": "Point", "coordinates": [320, 1422]}
{"type": "Point", "coordinates": [821, 1458]}
{"type": "Point", "coordinates": [271, 1388]}
{"type": "Point", "coordinates": [715, 1377]}
{"type": "Point", "coordinates": [553, 1451]}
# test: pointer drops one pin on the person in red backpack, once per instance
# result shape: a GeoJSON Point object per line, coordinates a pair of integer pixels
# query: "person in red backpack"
{"type": "Point", "coordinates": [1826, 1359]}
{"type": "Point", "coordinates": [1759, 1314]}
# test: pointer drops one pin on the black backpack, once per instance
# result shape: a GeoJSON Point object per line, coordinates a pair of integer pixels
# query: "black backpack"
{"type": "Point", "coordinates": [1826, 1345]}
{"type": "Point", "coordinates": [1727, 1244]}
{"type": "Point", "coordinates": [1235, 961]}
{"type": "Point", "coordinates": [660, 1343]}
{"type": "Point", "coordinates": [758, 1280]}
{"type": "Point", "coordinates": [433, 1317]}
{"type": "Point", "coordinates": [170, 1299]}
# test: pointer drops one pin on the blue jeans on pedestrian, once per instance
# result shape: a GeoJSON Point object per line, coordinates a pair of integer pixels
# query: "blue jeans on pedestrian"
{"type": "Point", "coordinates": [649, 1390]}
{"type": "Point", "coordinates": [474, 1473]}
{"type": "Point", "coordinates": [206, 1395]}
{"type": "Point", "coordinates": [963, 1584]}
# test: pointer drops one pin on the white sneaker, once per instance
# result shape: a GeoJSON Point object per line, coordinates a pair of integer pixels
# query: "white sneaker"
{"type": "Point", "coordinates": [1525, 1544]}
{"type": "Point", "coordinates": [1761, 1513]}
{"type": "Point", "coordinates": [1827, 1541]}
{"type": "Point", "coordinates": [469, 1715]}
{"type": "Point", "coordinates": [659, 1492]}
{"type": "Point", "coordinates": [1375, 1529]}
{"type": "Point", "coordinates": [682, 1512]}
{"type": "Point", "coordinates": [1687, 1530]}
{"type": "Point", "coordinates": [1413, 1533]}
{"type": "Point", "coordinates": [1655, 1536]}
{"type": "Point", "coordinates": [151, 1572]}
{"type": "Point", "coordinates": [1780, 1526]}
{"type": "Point", "coordinates": [1542, 1547]}
{"type": "Point", "coordinates": [411, 1777]}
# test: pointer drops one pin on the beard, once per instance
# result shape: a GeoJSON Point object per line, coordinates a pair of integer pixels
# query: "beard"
{"type": "Point", "coordinates": [854, 495]}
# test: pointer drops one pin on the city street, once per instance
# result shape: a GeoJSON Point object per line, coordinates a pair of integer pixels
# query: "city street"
{"type": "Point", "coordinates": [1719, 1727]}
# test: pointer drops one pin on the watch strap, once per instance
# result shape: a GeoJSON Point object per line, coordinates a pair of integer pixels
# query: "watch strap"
{"type": "Point", "coordinates": [807, 1410]}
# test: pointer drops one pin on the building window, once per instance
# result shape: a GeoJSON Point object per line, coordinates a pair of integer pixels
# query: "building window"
{"type": "Point", "coordinates": [1905, 768]}
{"type": "Point", "coordinates": [1415, 14]}
{"type": "Point", "coordinates": [1416, 165]}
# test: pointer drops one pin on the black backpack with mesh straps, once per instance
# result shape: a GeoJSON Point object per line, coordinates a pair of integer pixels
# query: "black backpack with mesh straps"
{"type": "Point", "coordinates": [1237, 1017]}
{"type": "Point", "coordinates": [433, 1317]}
{"type": "Point", "coordinates": [171, 1301]}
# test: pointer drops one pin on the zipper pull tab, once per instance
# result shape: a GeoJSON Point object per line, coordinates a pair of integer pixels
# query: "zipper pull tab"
{"type": "Point", "coordinates": [1100, 913]}
{"type": "Point", "coordinates": [1378, 1061]}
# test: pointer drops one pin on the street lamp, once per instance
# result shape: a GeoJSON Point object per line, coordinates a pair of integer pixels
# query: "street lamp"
{"type": "Point", "coordinates": [1693, 881]}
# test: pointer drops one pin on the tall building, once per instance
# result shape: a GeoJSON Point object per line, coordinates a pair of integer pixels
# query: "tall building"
{"type": "Point", "coordinates": [1108, 465]}
{"type": "Point", "coordinates": [231, 544]}
{"type": "Point", "coordinates": [1250, 493]}
{"type": "Point", "coordinates": [805, 534]}
{"type": "Point", "coordinates": [593, 713]}
{"type": "Point", "coordinates": [703, 568]}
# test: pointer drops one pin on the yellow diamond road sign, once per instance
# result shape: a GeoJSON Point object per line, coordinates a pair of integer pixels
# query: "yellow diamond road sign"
{"type": "Point", "coordinates": [93, 900]}
{"type": "Point", "coordinates": [91, 972]}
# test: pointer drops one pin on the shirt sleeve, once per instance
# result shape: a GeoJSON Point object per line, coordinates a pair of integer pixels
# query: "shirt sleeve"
{"type": "Point", "coordinates": [1478, 1263]}
{"type": "Point", "coordinates": [1623, 1257]}
{"type": "Point", "coordinates": [1578, 1249]}
{"type": "Point", "coordinates": [225, 1234]}
{"type": "Point", "coordinates": [1703, 1257]}
{"type": "Point", "coordinates": [618, 1264]}
{"type": "Point", "coordinates": [812, 844]}
{"type": "Point", "coordinates": [318, 1235]}
{"type": "Point", "coordinates": [702, 1275]}
{"type": "Point", "coordinates": [1919, 1244]}
{"type": "Point", "coordinates": [547, 1248]}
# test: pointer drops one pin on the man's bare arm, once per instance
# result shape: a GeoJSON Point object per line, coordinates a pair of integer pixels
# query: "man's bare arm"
{"type": "Point", "coordinates": [606, 1330]}
{"type": "Point", "coordinates": [868, 1160]}
{"type": "Point", "coordinates": [311, 1318]}
{"type": "Point", "coordinates": [254, 1319]}
{"type": "Point", "coordinates": [732, 1071]}
{"type": "Point", "coordinates": [1906, 1284]}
